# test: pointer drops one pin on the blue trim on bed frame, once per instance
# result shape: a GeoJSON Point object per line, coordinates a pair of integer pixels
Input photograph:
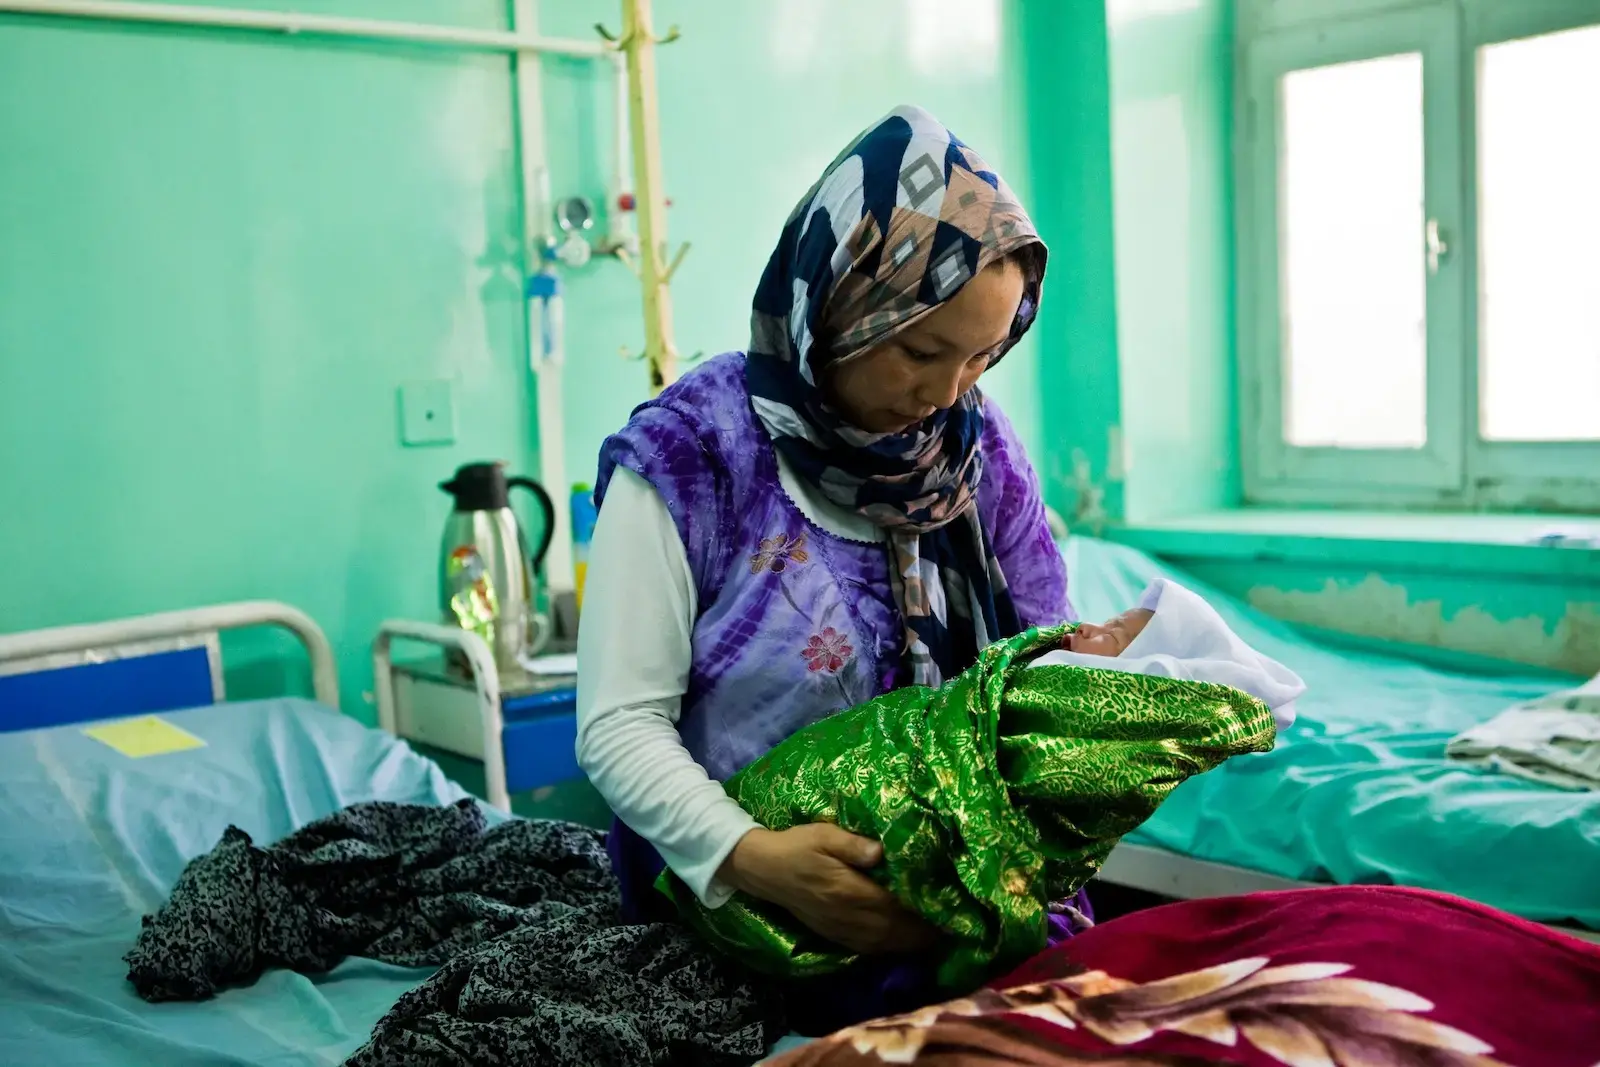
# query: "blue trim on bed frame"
{"type": "Point", "coordinates": [137, 685]}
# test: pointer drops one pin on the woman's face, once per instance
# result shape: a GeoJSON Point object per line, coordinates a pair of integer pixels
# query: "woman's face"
{"type": "Point", "coordinates": [928, 366]}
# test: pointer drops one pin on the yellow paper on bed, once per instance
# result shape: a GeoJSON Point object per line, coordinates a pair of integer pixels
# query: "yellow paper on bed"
{"type": "Point", "coordinates": [147, 735]}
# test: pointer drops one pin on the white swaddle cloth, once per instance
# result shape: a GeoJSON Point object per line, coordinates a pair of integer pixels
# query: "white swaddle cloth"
{"type": "Point", "coordinates": [1186, 638]}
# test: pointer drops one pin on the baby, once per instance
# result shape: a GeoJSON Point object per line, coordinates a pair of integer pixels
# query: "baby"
{"type": "Point", "coordinates": [1109, 638]}
{"type": "Point", "coordinates": [1175, 634]}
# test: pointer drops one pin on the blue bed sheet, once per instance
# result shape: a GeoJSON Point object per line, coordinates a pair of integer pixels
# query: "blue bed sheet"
{"type": "Point", "coordinates": [1359, 791]}
{"type": "Point", "coordinates": [90, 840]}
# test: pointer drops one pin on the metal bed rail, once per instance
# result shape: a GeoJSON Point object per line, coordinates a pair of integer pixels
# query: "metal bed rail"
{"type": "Point", "coordinates": [1155, 870]}
{"type": "Point", "coordinates": [485, 679]}
{"type": "Point", "coordinates": [189, 622]}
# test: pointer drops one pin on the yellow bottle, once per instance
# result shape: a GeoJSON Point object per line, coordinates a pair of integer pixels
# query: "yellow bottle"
{"type": "Point", "coordinates": [584, 516]}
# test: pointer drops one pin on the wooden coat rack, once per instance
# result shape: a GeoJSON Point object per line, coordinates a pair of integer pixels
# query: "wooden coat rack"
{"type": "Point", "coordinates": [638, 44]}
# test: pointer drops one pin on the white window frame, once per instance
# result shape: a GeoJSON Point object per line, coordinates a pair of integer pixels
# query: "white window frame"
{"type": "Point", "coordinates": [1456, 468]}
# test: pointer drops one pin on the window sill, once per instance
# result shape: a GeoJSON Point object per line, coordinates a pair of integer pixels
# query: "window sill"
{"type": "Point", "coordinates": [1545, 547]}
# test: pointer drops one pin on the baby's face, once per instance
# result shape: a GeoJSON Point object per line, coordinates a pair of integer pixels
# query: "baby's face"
{"type": "Point", "coordinates": [1110, 638]}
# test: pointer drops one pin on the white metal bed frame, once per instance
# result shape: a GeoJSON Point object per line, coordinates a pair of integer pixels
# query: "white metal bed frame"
{"type": "Point", "coordinates": [1142, 867]}
{"type": "Point", "coordinates": [1170, 874]}
{"type": "Point", "coordinates": [33, 650]}
{"type": "Point", "coordinates": [106, 640]}
{"type": "Point", "coordinates": [1155, 870]}
{"type": "Point", "coordinates": [142, 634]}
{"type": "Point", "coordinates": [485, 679]}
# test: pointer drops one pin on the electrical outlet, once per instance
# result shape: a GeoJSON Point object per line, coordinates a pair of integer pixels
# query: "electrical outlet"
{"type": "Point", "coordinates": [427, 413]}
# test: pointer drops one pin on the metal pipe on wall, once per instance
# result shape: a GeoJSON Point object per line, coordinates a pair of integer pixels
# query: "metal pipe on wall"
{"type": "Point", "coordinates": [536, 221]}
{"type": "Point", "coordinates": [289, 22]}
{"type": "Point", "coordinates": [620, 235]}
{"type": "Point", "coordinates": [525, 47]}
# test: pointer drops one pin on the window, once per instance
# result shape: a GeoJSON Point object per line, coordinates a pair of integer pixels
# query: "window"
{"type": "Point", "coordinates": [1419, 221]}
{"type": "Point", "coordinates": [1354, 327]}
{"type": "Point", "coordinates": [1539, 238]}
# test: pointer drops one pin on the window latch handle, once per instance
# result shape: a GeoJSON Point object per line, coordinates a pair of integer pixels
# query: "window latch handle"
{"type": "Point", "coordinates": [1437, 247]}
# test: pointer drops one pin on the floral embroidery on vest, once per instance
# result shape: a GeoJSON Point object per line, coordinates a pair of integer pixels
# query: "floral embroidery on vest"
{"type": "Point", "coordinates": [828, 651]}
{"type": "Point", "coordinates": [779, 552]}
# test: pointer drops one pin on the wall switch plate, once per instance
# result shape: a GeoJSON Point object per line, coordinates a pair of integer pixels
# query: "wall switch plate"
{"type": "Point", "coordinates": [427, 413]}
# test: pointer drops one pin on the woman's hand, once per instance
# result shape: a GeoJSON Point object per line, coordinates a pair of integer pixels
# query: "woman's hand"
{"type": "Point", "coordinates": [814, 871]}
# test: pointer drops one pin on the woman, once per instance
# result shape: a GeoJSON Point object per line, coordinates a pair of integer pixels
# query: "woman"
{"type": "Point", "coordinates": [794, 530]}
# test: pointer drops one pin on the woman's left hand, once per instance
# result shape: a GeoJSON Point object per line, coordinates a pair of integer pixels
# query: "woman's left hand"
{"type": "Point", "coordinates": [815, 871]}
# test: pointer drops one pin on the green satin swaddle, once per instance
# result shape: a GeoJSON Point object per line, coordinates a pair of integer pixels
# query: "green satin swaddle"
{"type": "Point", "coordinates": [998, 792]}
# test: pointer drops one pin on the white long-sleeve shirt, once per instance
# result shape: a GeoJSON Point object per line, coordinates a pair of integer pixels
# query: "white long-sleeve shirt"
{"type": "Point", "coordinates": [634, 654]}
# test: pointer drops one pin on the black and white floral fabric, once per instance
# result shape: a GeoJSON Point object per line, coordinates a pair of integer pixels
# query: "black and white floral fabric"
{"type": "Point", "coordinates": [523, 920]}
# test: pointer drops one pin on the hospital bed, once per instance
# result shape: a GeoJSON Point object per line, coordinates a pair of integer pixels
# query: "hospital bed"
{"type": "Point", "coordinates": [92, 838]}
{"type": "Point", "coordinates": [1358, 790]}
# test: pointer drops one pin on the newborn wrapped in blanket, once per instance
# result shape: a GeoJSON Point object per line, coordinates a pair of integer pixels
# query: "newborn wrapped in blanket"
{"type": "Point", "coordinates": [998, 792]}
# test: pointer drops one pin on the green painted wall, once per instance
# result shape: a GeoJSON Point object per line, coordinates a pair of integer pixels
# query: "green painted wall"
{"type": "Point", "coordinates": [1478, 588]}
{"type": "Point", "coordinates": [756, 98]}
{"type": "Point", "coordinates": [1482, 595]}
{"type": "Point", "coordinates": [221, 255]}
{"type": "Point", "coordinates": [1552, 623]}
{"type": "Point", "coordinates": [223, 252]}
{"type": "Point", "coordinates": [1064, 105]}
{"type": "Point", "coordinates": [1127, 110]}
{"type": "Point", "coordinates": [1171, 108]}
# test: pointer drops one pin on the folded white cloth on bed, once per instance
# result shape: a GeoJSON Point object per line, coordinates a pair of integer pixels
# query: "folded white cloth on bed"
{"type": "Point", "coordinates": [1554, 739]}
{"type": "Point", "coordinates": [1186, 638]}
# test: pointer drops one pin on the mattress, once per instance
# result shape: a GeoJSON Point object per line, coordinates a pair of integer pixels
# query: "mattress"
{"type": "Point", "coordinates": [91, 839]}
{"type": "Point", "coordinates": [1358, 790]}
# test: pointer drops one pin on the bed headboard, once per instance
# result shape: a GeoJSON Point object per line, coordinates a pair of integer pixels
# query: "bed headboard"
{"type": "Point", "coordinates": [147, 663]}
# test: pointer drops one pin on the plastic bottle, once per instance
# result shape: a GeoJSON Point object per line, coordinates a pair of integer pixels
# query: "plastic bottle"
{"type": "Point", "coordinates": [584, 516]}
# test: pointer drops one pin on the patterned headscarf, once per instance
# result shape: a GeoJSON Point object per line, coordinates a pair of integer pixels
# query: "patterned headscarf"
{"type": "Point", "coordinates": [903, 219]}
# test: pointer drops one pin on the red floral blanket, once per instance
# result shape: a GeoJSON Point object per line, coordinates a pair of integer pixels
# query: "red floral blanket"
{"type": "Point", "coordinates": [1336, 977]}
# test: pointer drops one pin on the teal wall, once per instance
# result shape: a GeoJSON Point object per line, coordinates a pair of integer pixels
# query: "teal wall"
{"type": "Point", "coordinates": [221, 256]}
{"type": "Point", "coordinates": [224, 252]}
{"type": "Point", "coordinates": [1064, 104]}
{"type": "Point", "coordinates": [1171, 108]}
{"type": "Point", "coordinates": [756, 98]}
{"type": "Point", "coordinates": [1476, 587]}
{"type": "Point", "coordinates": [1479, 593]}
{"type": "Point", "coordinates": [1128, 111]}
{"type": "Point", "coordinates": [1544, 620]}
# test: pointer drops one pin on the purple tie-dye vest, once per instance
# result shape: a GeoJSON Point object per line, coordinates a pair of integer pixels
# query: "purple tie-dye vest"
{"type": "Point", "coordinates": [795, 622]}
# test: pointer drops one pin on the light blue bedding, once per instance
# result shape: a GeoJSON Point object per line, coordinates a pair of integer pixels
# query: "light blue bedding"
{"type": "Point", "coordinates": [1358, 791]}
{"type": "Point", "coordinates": [90, 840]}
